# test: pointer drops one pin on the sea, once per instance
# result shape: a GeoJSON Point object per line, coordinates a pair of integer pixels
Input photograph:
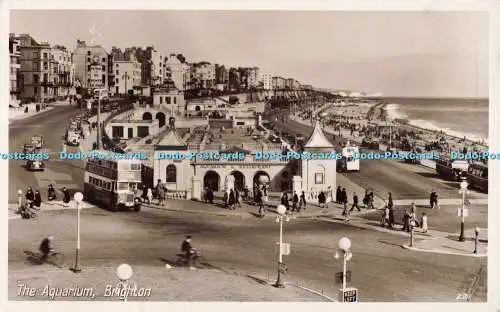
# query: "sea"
{"type": "Point", "coordinates": [458, 117]}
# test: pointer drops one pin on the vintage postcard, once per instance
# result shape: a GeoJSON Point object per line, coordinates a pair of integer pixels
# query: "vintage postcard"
{"type": "Point", "coordinates": [332, 156]}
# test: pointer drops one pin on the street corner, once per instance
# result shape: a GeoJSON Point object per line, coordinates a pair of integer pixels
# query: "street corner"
{"type": "Point", "coordinates": [447, 246]}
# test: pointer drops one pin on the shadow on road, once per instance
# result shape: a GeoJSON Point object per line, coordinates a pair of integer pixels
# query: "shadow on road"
{"type": "Point", "coordinates": [32, 258]}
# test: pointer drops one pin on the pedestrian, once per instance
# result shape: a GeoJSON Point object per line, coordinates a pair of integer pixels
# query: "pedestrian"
{"type": "Point", "coordinates": [37, 202]}
{"type": "Point", "coordinates": [344, 198]}
{"type": "Point", "coordinates": [436, 204]}
{"type": "Point", "coordinates": [29, 194]}
{"type": "Point", "coordinates": [390, 203]}
{"type": "Point", "coordinates": [355, 202]}
{"type": "Point", "coordinates": [391, 218]}
{"type": "Point", "coordinates": [423, 224]}
{"type": "Point", "coordinates": [210, 195]}
{"type": "Point", "coordinates": [265, 195]}
{"type": "Point", "coordinates": [66, 195]}
{"type": "Point", "coordinates": [406, 221]}
{"type": "Point", "coordinates": [366, 198]}
{"type": "Point", "coordinates": [385, 216]}
{"type": "Point", "coordinates": [232, 199]}
{"type": "Point", "coordinates": [258, 201]}
{"type": "Point", "coordinates": [161, 195]}
{"type": "Point", "coordinates": [321, 199]}
{"type": "Point", "coordinates": [338, 197]}
{"type": "Point", "coordinates": [370, 200]}
{"type": "Point", "coordinates": [284, 201]}
{"type": "Point", "coordinates": [237, 198]}
{"type": "Point", "coordinates": [302, 201]}
{"type": "Point", "coordinates": [432, 198]}
{"type": "Point", "coordinates": [295, 202]}
{"type": "Point", "coordinates": [205, 194]}
{"type": "Point", "coordinates": [51, 193]}
{"type": "Point", "coordinates": [149, 195]}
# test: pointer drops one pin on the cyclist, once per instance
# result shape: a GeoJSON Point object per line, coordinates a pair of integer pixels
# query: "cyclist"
{"type": "Point", "coordinates": [45, 247]}
{"type": "Point", "coordinates": [188, 249]}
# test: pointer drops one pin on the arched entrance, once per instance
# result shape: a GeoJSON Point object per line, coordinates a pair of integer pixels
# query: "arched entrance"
{"type": "Point", "coordinates": [147, 116]}
{"type": "Point", "coordinates": [239, 180]}
{"type": "Point", "coordinates": [260, 178]}
{"type": "Point", "coordinates": [161, 119]}
{"type": "Point", "coordinates": [197, 108]}
{"type": "Point", "coordinates": [211, 180]}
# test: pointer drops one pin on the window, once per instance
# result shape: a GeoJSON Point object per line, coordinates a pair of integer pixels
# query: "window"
{"type": "Point", "coordinates": [161, 99]}
{"type": "Point", "coordinates": [104, 61]}
{"type": "Point", "coordinates": [117, 80]}
{"type": "Point", "coordinates": [175, 100]}
{"type": "Point", "coordinates": [103, 78]}
{"type": "Point", "coordinates": [35, 78]}
{"type": "Point", "coordinates": [35, 90]}
{"type": "Point", "coordinates": [88, 53]}
{"type": "Point", "coordinates": [167, 99]}
{"type": "Point", "coordinates": [36, 66]}
{"type": "Point", "coordinates": [88, 68]}
{"type": "Point", "coordinates": [124, 165]}
{"type": "Point", "coordinates": [171, 174]}
{"type": "Point", "coordinates": [135, 166]}
{"type": "Point", "coordinates": [318, 178]}
{"type": "Point", "coordinates": [88, 60]}
{"type": "Point", "coordinates": [104, 67]}
{"type": "Point", "coordinates": [117, 65]}
{"type": "Point", "coordinates": [45, 56]}
{"type": "Point", "coordinates": [122, 186]}
{"type": "Point", "coordinates": [45, 90]}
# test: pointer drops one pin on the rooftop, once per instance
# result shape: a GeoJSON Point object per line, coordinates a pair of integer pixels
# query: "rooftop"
{"type": "Point", "coordinates": [318, 138]}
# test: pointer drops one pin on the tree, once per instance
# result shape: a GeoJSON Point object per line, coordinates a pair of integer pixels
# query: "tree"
{"type": "Point", "coordinates": [181, 58]}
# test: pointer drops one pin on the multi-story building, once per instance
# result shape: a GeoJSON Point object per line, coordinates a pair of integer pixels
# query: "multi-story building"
{"type": "Point", "coordinates": [289, 83]}
{"type": "Point", "coordinates": [221, 77]}
{"type": "Point", "coordinates": [91, 66]}
{"type": "Point", "coordinates": [234, 79]}
{"type": "Point", "coordinates": [243, 74]}
{"type": "Point", "coordinates": [15, 65]}
{"type": "Point", "coordinates": [205, 75]}
{"type": "Point", "coordinates": [178, 72]}
{"type": "Point", "coordinates": [63, 70]}
{"type": "Point", "coordinates": [253, 77]}
{"type": "Point", "coordinates": [267, 81]}
{"type": "Point", "coordinates": [36, 72]}
{"type": "Point", "coordinates": [151, 61]}
{"type": "Point", "coordinates": [127, 75]}
{"type": "Point", "coordinates": [278, 83]}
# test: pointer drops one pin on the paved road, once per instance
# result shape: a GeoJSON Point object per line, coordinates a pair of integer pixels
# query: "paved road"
{"type": "Point", "coordinates": [382, 270]}
{"type": "Point", "coordinates": [51, 125]}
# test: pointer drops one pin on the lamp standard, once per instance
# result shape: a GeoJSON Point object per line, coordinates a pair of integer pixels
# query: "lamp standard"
{"type": "Point", "coordinates": [345, 248]}
{"type": "Point", "coordinates": [463, 191]}
{"type": "Point", "coordinates": [281, 210]}
{"type": "Point", "coordinates": [99, 140]}
{"type": "Point", "coordinates": [19, 200]}
{"type": "Point", "coordinates": [476, 239]}
{"type": "Point", "coordinates": [78, 199]}
{"type": "Point", "coordinates": [124, 272]}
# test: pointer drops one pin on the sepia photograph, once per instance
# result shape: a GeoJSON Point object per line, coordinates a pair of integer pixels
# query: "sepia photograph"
{"type": "Point", "coordinates": [248, 156]}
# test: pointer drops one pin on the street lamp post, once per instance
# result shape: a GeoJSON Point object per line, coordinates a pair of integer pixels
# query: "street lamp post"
{"type": "Point", "coordinates": [476, 239]}
{"type": "Point", "coordinates": [281, 210]}
{"type": "Point", "coordinates": [345, 247]}
{"type": "Point", "coordinates": [463, 191]}
{"type": "Point", "coordinates": [99, 140]}
{"type": "Point", "coordinates": [19, 200]}
{"type": "Point", "coordinates": [78, 199]}
{"type": "Point", "coordinates": [124, 272]}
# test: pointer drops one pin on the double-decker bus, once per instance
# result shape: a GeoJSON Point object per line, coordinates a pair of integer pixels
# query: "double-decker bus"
{"type": "Point", "coordinates": [111, 182]}
{"type": "Point", "coordinates": [451, 169]}
{"type": "Point", "coordinates": [477, 176]}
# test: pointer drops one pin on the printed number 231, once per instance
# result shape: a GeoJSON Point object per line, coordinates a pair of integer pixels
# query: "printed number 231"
{"type": "Point", "coordinates": [463, 296]}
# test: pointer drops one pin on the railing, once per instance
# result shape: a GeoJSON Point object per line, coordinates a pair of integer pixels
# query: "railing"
{"type": "Point", "coordinates": [108, 143]}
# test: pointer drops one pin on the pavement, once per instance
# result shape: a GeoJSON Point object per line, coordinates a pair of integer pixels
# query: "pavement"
{"type": "Point", "coordinates": [247, 246]}
{"type": "Point", "coordinates": [17, 113]}
{"type": "Point", "coordinates": [153, 284]}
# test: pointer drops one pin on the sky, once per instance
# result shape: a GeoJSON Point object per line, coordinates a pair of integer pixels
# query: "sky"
{"type": "Point", "coordinates": [411, 54]}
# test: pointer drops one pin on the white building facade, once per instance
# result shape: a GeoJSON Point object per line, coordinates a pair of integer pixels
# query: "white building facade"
{"type": "Point", "coordinates": [127, 76]}
{"type": "Point", "coordinates": [178, 72]}
{"type": "Point", "coordinates": [267, 81]}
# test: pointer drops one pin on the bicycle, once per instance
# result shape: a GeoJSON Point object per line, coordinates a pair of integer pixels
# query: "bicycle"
{"type": "Point", "coordinates": [55, 258]}
{"type": "Point", "coordinates": [196, 259]}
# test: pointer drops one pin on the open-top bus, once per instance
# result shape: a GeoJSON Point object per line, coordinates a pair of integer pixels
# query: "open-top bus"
{"type": "Point", "coordinates": [451, 169]}
{"type": "Point", "coordinates": [477, 176]}
{"type": "Point", "coordinates": [112, 182]}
